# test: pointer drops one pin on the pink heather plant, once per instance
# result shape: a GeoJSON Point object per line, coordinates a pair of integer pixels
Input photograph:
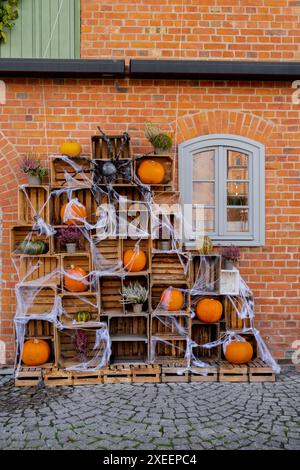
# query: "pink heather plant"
{"type": "Point", "coordinates": [231, 253]}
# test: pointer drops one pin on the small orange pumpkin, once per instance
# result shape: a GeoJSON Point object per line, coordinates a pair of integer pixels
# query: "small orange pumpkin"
{"type": "Point", "coordinates": [239, 352]}
{"type": "Point", "coordinates": [74, 285]}
{"type": "Point", "coordinates": [75, 210]}
{"type": "Point", "coordinates": [209, 310]}
{"type": "Point", "coordinates": [70, 148]}
{"type": "Point", "coordinates": [35, 352]}
{"type": "Point", "coordinates": [134, 260]}
{"type": "Point", "coordinates": [172, 299]}
{"type": "Point", "coordinates": [151, 172]}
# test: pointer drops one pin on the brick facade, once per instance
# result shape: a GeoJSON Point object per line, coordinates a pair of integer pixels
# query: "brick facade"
{"type": "Point", "coordinates": [40, 114]}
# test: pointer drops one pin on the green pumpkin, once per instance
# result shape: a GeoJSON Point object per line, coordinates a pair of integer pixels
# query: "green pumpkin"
{"type": "Point", "coordinates": [29, 247]}
{"type": "Point", "coordinates": [82, 316]}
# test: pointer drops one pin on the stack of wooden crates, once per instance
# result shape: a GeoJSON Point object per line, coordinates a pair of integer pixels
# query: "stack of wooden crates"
{"type": "Point", "coordinates": [146, 347]}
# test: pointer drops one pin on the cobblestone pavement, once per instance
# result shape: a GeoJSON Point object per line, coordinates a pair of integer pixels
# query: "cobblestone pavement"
{"type": "Point", "coordinates": [152, 417]}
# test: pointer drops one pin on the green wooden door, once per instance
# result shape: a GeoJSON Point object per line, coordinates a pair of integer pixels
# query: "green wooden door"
{"type": "Point", "coordinates": [45, 29]}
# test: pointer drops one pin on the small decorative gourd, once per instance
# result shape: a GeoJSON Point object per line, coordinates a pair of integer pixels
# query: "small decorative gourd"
{"type": "Point", "coordinates": [82, 316]}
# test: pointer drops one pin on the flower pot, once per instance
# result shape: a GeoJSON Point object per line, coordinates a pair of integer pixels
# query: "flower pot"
{"type": "Point", "coordinates": [137, 308]}
{"type": "Point", "coordinates": [71, 247]}
{"type": "Point", "coordinates": [158, 151]}
{"type": "Point", "coordinates": [165, 245]}
{"type": "Point", "coordinates": [34, 180]}
{"type": "Point", "coordinates": [228, 264]}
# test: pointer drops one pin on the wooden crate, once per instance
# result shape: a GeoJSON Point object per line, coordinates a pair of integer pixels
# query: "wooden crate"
{"type": "Point", "coordinates": [170, 268]}
{"type": "Point", "coordinates": [19, 234]}
{"type": "Point", "coordinates": [166, 211]}
{"type": "Point", "coordinates": [205, 374]}
{"type": "Point", "coordinates": [143, 245]}
{"type": "Point", "coordinates": [58, 167]}
{"type": "Point", "coordinates": [146, 373]}
{"type": "Point", "coordinates": [170, 324]}
{"type": "Point", "coordinates": [143, 281]}
{"type": "Point", "coordinates": [168, 163]}
{"type": "Point", "coordinates": [128, 326]}
{"type": "Point", "coordinates": [57, 377]}
{"type": "Point", "coordinates": [81, 260]}
{"type": "Point", "coordinates": [82, 246]}
{"type": "Point", "coordinates": [46, 266]}
{"type": "Point", "coordinates": [66, 354]}
{"type": "Point", "coordinates": [174, 373]}
{"type": "Point", "coordinates": [206, 274]}
{"type": "Point", "coordinates": [230, 306]}
{"type": "Point", "coordinates": [232, 372]}
{"type": "Point", "coordinates": [28, 377]}
{"type": "Point", "coordinates": [128, 350]}
{"type": "Point", "coordinates": [203, 333]}
{"type": "Point", "coordinates": [259, 371]}
{"type": "Point", "coordinates": [229, 282]}
{"type": "Point", "coordinates": [35, 300]}
{"type": "Point", "coordinates": [100, 148]}
{"type": "Point", "coordinates": [41, 329]}
{"type": "Point", "coordinates": [107, 254]}
{"type": "Point", "coordinates": [164, 350]}
{"type": "Point", "coordinates": [110, 295]}
{"type": "Point", "coordinates": [116, 374]}
{"type": "Point", "coordinates": [85, 196]}
{"type": "Point", "coordinates": [156, 293]}
{"type": "Point", "coordinates": [86, 302]}
{"type": "Point", "coordinates": [32, 200]}
{"type": "Point", "coordinates": [121, 177]}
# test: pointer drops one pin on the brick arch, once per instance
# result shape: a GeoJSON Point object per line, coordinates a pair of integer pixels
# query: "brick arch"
{"type": "Point", "coordinates": [223, 122]}
{"type": "Point", "coordinates": [9, 181]}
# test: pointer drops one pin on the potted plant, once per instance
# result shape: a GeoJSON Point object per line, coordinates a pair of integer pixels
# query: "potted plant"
{"type": "Point", "coordinates": [69, 237]}
{"type": "Point", "coordinates": [231, 255]}
{"type": "Point", "coordinates": [32, 167]}
{"type": "Point", "coordinates": [136, 295]}
{"type": "Point", "coordinates": [161, 141]}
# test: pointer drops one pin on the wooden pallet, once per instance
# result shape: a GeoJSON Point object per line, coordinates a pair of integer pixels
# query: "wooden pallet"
{"type": "Point", "coordinates": [170, 373]}
{"type": "Point", "coordinates": [28, 377]}
{"type": "Point", "coordinates": [232, 372]}
{"type": "Point", "coordinates": [146, 373]}
{"type": "Point", "coordinates": [117, 374]}
{"type": "Point", "coordinates": [260, 372]}
{"type": "Point", "coordinates": [57, 377]}
{"type": "Point", "coordinates": [204, 374]}
{"type": "Point", "coordinates": [87, 377]}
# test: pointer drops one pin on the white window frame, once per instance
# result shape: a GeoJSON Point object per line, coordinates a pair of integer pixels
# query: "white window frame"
{"type": "Point", "coordinates": [256, 152]}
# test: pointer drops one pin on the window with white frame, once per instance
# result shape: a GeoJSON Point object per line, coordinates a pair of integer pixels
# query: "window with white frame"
{"type": "Point", "coordinates": [221, 179]}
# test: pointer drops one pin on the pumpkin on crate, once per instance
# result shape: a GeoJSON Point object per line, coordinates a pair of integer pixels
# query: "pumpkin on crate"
{"type": "Point", "coordinates": [73, 209]}
{"type": "Point", "coordinates": [75, 279]}
{"type": "Point", "coordinates": [70, 148]}
{"type": "Point", "coordinates": [209, 310]}
{"type": "Point", "coordinates": [30, 247]}
{"type": "Point", "coordinates": [151, 172]}
{"type": "Point", "coordinates": [172, 299]}
{"type": "Point", "coordinates": [36, 352]}
{"type": "Point", "coordinates": [238, 352]}
{"type": "Point", "coordinates": [82, 316]}
{"type": "Point", "coordinates": [134, 260]}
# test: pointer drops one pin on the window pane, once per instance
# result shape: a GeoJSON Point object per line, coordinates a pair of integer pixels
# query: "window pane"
{"type": "Point", "coordinates": [204, 193]}
{"type": "Point", "coordinates": [237, 194]}
{"type": "Point", "coordinates": [204, 220]}
{"type": "Point", "coordinates": [204, 165]}
{"type": "Point", "coordinates": [237, 165]}
{"type": "Point", "coordinates": [237, 220]}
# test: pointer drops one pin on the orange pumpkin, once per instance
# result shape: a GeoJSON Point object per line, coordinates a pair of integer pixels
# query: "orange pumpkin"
{"type": "Point", "coordinates": [172, 299]}
{"type": "Point", "coordinates": [74, 210]}
{"type": "Point", "coordinates": [151, 172]}
{"type": "Point", "coordinates": [239, 352]}
{"type": "Point", "coordinates": [70, 148]}
{"type": "Point", "coordinates": [74, 285]}
{"type": "Point", "coordinates": [209, 310]}
{"type": "Point", "coordinates": [35, 352]}
{"type": "Point", "coordinates": [134, 260]}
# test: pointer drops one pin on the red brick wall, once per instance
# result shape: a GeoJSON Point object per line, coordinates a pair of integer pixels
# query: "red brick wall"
{"type": "Point", "coordinates": [206, 29]}
{"type": "Point", "coordinates": [39, 115]}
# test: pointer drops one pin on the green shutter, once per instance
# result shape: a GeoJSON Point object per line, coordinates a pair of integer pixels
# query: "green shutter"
{"type": "Point", "coordinates": [40, 32]}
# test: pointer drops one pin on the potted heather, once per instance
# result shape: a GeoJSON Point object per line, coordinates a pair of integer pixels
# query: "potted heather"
{"type": "Point", "coordinates": [231, 255]}
{"type": "Point", "coordinates": [33, 168]}
{"type": "Point", "coordinates": [160, 141]}
{"type": "Point", "coordinates": [69, 237]}
{"type": "Point", "coordinates": [136, 295]}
